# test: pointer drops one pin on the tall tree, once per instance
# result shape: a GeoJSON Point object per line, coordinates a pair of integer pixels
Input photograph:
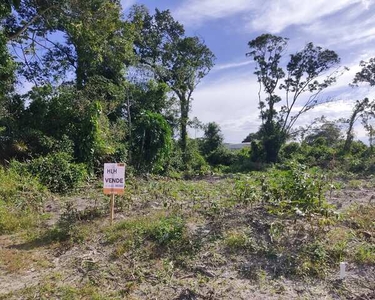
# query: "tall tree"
{"type": "Point", "coordinates": [54, 39]}
{"type": "Point", "coordinates": [7, 66]}
{"type": "Point", "coordinates": [177, 60]}
{"type": "Point", "coordinates": [358, 112]}
{"type": "Point", "coordinates": [330, 131]}
{"type": "Point", "coordinates": [213, 138]}
{"type": "Point", "coordinates": [363, 109]}
{"type": "Point", "coordinates": [302, 76]}
{"type": "Point", "coordinates": [367, 74]}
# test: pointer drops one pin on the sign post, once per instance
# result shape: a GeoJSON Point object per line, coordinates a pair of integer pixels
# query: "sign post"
{"type": "Point", "coordinates": [113, 183]}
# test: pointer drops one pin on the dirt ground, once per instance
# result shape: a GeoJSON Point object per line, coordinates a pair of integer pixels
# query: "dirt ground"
{"type": "Point", "coordinates": [212, 274]}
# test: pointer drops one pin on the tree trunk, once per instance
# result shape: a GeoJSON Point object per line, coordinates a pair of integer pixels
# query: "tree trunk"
{"type": "Point", "coordinates": [349, 135]}
{"type": "Point", "coordinates": [183, 129]}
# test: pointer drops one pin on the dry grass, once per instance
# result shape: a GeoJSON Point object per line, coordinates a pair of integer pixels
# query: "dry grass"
{"type": "Point", "coordinates": [17, 261]}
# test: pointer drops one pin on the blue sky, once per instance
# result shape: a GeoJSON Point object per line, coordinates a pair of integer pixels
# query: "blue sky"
{"type": "Point", "coordinates": [228, 95]}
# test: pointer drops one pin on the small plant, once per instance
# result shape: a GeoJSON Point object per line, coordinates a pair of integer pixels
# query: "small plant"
{"type": "Point", "coordinates": [312, 260]}
{"type": "Point", "coordinates": [21, 200]}
{"type": "Point", "coordinates": [167, 230]}
{"type": "Point", "coordinates": [66, 228]}
{"type": "Point", "coordinates": [245, 191]}
{"type": "Point", "coordinates": [365, 253]}
{"type": "Point", "coordinates": [163, 231]}
{"type": "Point", "coordinates": [237, 241]}
{"type": "Point", "coordinates": [295, 189]}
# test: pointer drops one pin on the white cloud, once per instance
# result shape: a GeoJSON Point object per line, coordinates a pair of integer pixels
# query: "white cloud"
{"type": "Point", "coordinates": [263, 15]}
{"type": "Point", "coordinates": [346, 30]}
{"type": "Point", "coordinates": [227, 66]}
{"type": "Point", "coordinates": [24, 87]}
{"type": "Point", "coordinates": [195, 12]}
{"type": "Point", "coordinates": [127, 4]}
{"type": "Point", "coordinates": [281, 14]}
{"type": "Point", "coordinates": [232, 102]}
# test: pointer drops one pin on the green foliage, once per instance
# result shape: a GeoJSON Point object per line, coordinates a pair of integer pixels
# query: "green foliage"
{"type": "Point", "coordinates": [58, 172]}
{"type": "Point", "coordinates": [51, 289]}
{"type": "Point", "coordinates": [246, 160]}
{"type": "Point", "coordinates": [246, 191]}
{"type": "Point", "coordinates": [21, 199]}
{"type": "Point", "coordinates": [12, 219]}
{"type": "Point", "coordinates": [93, 144]}
{"type": "Point", "coordinates": [365, 253]}
{"type": "Point", "coordinates": [159, 39]}
{"type": "Point", "coordinates": [212, 148]}
{"type": "Point", "coordinates": [312, 260]}
{"type": "Point", "coordinates": [68, 229]}
{"type": "Point", "coordinates": [213, 138]}
{"type": "Point", "coordinates": [289, 150]}
{"type": "Point", "coordinates": [7, 67]}
{"type": "Point", "coordinates": [303, 69]}
{"type": "Point", "coordinates": [165, 231]}
{"type": "Point", "coordinates": [237, 241]}
{"type": "Point", "coordinates": [195, 162]}
{"type": "Point", "coordinates": [220, 156]}
{"type": "Point", "coordinates": [20, 189]}
{"type": "Point", "coordinates": [367, 73]}
{"type": "Point", "coordinates": [152, 141]}
{"type": "Point", "coordinates": [295, 189]}
{"type": "Point", "coordinates": [328, 131]}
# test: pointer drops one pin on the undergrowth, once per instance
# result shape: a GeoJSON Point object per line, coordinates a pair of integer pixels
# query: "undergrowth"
{"type": "Point", "coordinates": [21, 200]}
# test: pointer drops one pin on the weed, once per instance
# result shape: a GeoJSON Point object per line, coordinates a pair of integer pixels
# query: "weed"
{"type": "Point", "coordinates": [167, 232]}
{"type": "Point", "coordinates": [355, 184]}
{"type": "Point", "coordinates": [295, 190]}
{"type": "Point", "coordinates": [12, 220]}
{"type": "Point", "coordinates": [245, 191]}
{"type": "Point", "coordinates": [365, 253]}
{"type": "Point", "coordinates": [52, 290]}
{"type": "Point", "coordinates": [238, 241]}
{"type": "Point", "coordinates": [312, 260]}
{"type": "Point", "coordinates": [15, 261]}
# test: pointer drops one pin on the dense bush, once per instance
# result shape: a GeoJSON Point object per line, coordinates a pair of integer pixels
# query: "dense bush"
{"type": "Point", "coordinates": [220, 156]}
{"type": "Point", "coordinates": [196, 164]}
{"type": "Point", "coordinates": [21, 198]}
{"type": "Point", "coordinates": [58, 172]}
{"type": "Point", "coordinates": [151, 142]}
{"type": "Point", "coordinates": [20, 189]}
{"type": "Point", "coordinates": [243, 161]}
{"type": "Point", "coordinates": [296, 188]}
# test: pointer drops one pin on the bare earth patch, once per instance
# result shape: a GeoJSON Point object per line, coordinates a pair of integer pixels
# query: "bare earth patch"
{"type": "Point", "coordinates": [230, 257]}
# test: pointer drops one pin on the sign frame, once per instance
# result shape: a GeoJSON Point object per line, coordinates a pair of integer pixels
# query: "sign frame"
{"type": "Point", "coordinates": [113, 183]}
{"type": "Point", "coordinates": [114, 178]}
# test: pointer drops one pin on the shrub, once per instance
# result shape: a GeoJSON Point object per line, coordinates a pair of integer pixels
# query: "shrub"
{"type": "Point", "coordinates": [151, 142]}
{"type": "Point", "coordinates": [296, 188]}
{"type": "Point", "coordinates": [220, 156]}
{"type": "Point", "coordinates": [20, 189]}
{"type": "Point", "coordinates": [289, 150]}
{"type": "Point", "coordinates": [365, 253]}
{"type": "Point", "coordinates": [244, 161]}
{"type": "Point", "coordinates": [245, 191]}
{"type": "Point", "coordinates": [167, 230]}
{"type": "Point", "coordinates": [196, 164]}
{"type": "Point", "coordinates": [21, 198]}
{"type": "Point", "coordinates": [12, 219]}
{"type": "Point", "coordinates": [58, 171]}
